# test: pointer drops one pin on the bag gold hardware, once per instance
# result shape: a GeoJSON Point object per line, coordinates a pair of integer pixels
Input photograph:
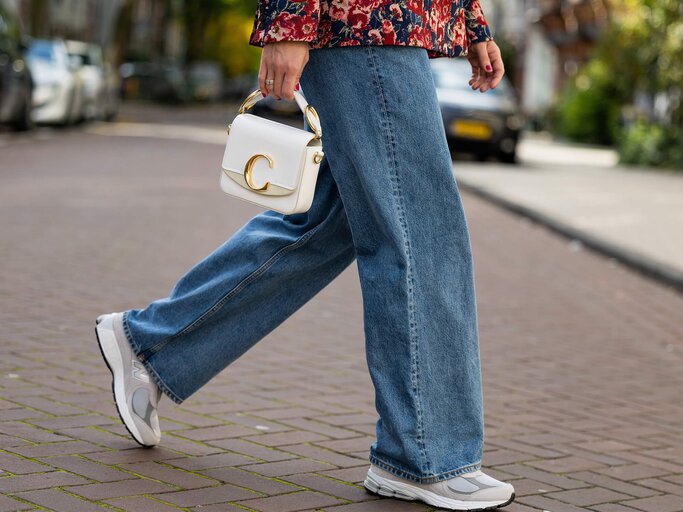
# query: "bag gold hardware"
{"type": "Point", "coordinates": [248, 169]}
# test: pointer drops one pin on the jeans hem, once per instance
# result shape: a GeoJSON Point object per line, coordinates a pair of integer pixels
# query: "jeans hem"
{"type": "Point", "coordinates": [147, 364]}
{"type": "Point", "coordinates": [407, 475]}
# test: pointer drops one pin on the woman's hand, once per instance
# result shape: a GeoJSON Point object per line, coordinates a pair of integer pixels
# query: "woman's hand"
{"type": "Point", "coordinates": [487, 65]}
{"type": "Point", "coordinates": [282, 62]}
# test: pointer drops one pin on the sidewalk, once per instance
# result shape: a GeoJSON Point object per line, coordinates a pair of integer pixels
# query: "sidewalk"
{"type": "Point", "coordinates": [581, 357]}
{"type": "Point", "coordinates": [633, 215]}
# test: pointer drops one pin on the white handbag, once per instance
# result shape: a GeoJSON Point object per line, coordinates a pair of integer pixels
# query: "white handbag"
{"type": "Point", "coordinates": [272, 164]}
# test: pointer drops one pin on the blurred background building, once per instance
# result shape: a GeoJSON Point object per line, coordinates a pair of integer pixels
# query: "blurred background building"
{"type": "Point", "coordinates": [548, 41]}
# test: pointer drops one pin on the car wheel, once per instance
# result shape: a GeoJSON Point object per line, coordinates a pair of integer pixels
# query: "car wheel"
{"type": "Point", "coordinates": [25, 120]}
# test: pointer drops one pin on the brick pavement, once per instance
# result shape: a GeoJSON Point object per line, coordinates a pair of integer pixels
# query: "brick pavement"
{"type": "Point", "coordinates": [581, 358]}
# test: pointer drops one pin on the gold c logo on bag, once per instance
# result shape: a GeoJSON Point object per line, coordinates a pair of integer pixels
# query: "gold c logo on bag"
{"type": "Point", "coordinates": [248, 169]}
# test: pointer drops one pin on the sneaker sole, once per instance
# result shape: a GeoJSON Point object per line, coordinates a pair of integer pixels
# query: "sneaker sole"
{"type": "Point", "coordinates": [109, 349]}
{"type": "Point", "coordinates": [379, 486]}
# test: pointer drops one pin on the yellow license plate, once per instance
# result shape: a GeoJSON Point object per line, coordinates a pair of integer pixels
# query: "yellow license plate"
{"type": "Point", "coordinates": [471, 129]}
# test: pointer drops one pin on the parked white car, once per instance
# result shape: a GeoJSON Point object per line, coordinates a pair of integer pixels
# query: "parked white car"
{"type": "Point", "coordinates": [93, 73]}
{"type": "Point", "coordinates": [58, 95]}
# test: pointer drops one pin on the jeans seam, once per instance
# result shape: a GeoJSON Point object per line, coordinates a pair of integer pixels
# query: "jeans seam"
{"type": "Point", "coordinates": [237, 288]}
{"type": "Point", "coordinates": [414, 360]}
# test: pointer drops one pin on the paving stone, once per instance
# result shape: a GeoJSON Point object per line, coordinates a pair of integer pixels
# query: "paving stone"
{"type": "Point", "coordinates": [84, 420]}
{"type": "Point", "coordinates": [30, 433]}
{"type": "Point", "coordinates": [213, 433]}
{"type": "Point", "coordinates": [14, 484]}
{"type": "Point", "coordinates": [565, 464]}
{"type": "Point", "coordinates": [158, 453]}
{"type": "Point", "coordinates": [98, 492]}
{"type": "Point", "coordinates": [168, 475]}
{"type": "Point", "coordinates": [352, 445]}
{"type": "Point", "coordinates": [382, 505]}
{"type": "Point", "coordinates": [210, 461]}
{"type": "Point", "coordinates": [18, 465]}
{"type": "Point", "coordinates": [336, 488]}
{"type": "Point", "coordinates": [661, 485]}
{"type": "Point", "coordinates": [253, 450]}
{"type": "Point", "coordinates": [8, 504]}
{"type": "Point", "coordinates": [527, 486]}
{"type": "Point", "coordinates": [664, 503]}
{"type": "Point", "coordinates": [207, 496]}
{"type": "Point", "coordinates": [612, 507]}
{"type": "Point", "coordinates": [291, 502]}
{"type": "Point", "coordinates": [286, 438]}
{"type": "Point", "coordinates": [288, 467]}
{"type": "Point", "coordinates": [587, 497]}
{"type": "Point", "coordinates": [55, 499]}
{"type": "Point", "coordinates": [632, 472]}
{"type": "Point", "coordinates": [46, 450]}
{"type": "Point", "coordinates": [549, 504]}
{"type": "Point", "coordinates": [350, 475]}
{"type": "Point", "coordinates": [87, 469]}
{"type": "Point", "coordinates": [321, 454]}
{"type": "Point", "coordinates": [320, 428]}
{"type": "Point", "coordinates": [542, 476]}
{"type": "Point", "coordinates": [141, 504]}
{"type": "Point", "coordinates": [632, 489]}
{"type": "Point", "coordinates": [238, 477]}
{"type": "Point", "coordinates": [219, 507]}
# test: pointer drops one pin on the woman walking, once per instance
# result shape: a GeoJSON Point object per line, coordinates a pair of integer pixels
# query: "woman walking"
{"type": "Point", "coordinates": [386, 197]}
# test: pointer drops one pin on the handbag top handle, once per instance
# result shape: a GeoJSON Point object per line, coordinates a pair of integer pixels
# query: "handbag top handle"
{"type": "Point", "coordinates": [311, 115]}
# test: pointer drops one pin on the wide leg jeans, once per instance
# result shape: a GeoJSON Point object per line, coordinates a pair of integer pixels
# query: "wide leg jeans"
{"type": "Point", "coordinates": [385, 196]}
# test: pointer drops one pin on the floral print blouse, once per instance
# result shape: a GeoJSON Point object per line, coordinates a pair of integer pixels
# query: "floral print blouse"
{"type": "Point", "coordinates": [446, 28]}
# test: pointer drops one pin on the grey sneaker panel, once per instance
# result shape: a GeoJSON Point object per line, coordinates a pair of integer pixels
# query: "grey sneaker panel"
{"type": "Point", "coordinates": [142, 405]}
{"type": "Point", "coordinates": [462, 485]}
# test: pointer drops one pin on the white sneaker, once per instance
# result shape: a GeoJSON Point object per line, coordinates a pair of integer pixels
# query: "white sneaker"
{"type": "Point", "coordinates": [135, 394]}
{"type": "Point", "coordinates": [469, 491]}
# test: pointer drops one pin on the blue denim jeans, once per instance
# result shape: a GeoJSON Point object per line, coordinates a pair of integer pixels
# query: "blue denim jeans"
{"type": "Point", "coordinates": [385, 196]}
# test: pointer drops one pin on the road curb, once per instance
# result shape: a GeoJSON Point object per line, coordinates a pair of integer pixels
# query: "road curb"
{"type": "Point", "coordinates": [661, 273]}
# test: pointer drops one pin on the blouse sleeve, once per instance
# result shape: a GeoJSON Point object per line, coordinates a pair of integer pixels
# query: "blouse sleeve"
{"type": "Point", "coordinates": [478, 29]}
{"type": "Point", "coordinates": [285, 20]}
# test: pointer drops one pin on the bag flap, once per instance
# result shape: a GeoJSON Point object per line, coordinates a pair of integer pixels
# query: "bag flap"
{"type": "Point", "coordinates": [286, 145]}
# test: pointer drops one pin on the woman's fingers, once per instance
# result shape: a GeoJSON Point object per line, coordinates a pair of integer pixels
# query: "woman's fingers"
{"type": "Point", "coordinates": [289, 84]}
{"type": "Point", "coordinates": [278, 77]}
{"type": "Point", "coordinates": [262, 76]}
{"type": "Point", "coordinates": [486, 70]}
{"type": "Point", "coordinates": [498, 66]}
{"type": "Point", "coordinates": [487, 66]}
{"type": "Point", "coordinates": [282, 62]}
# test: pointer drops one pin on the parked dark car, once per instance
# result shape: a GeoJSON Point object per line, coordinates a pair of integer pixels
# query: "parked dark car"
{"type": "Point", "coordinates": [484, 124]}
{"type": "Point", "coordinates": [16, 84]}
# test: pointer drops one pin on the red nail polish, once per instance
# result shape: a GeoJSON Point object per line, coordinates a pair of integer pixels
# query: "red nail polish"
{"type": "Point", "coordinates": [488, 67]}
{"type": "Point", "coordinates": [297, 87]}
{"type": "Point", "coordinates": [263, 93]}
